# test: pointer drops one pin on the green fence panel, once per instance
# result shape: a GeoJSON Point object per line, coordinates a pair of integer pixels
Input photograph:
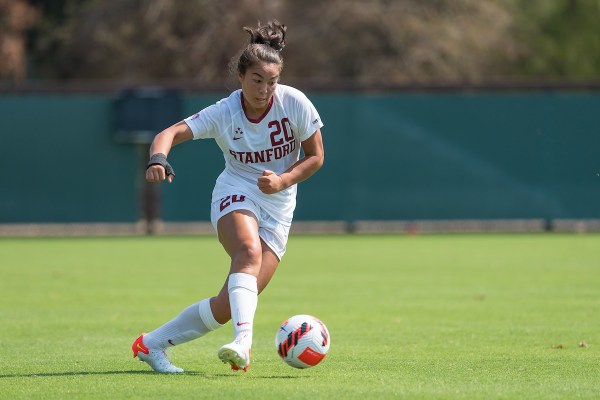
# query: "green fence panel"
{"type": "Point", "coordinates": [60, 163]}
{"type": "Point", "coordinates": [398, 156]}
{"type": "Point", "coordinates": [450, 156]}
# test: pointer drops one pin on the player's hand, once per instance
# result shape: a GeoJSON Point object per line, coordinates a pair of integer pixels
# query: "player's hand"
{"type": "Point", "coordinates": [159, 169]}
{"type": "Point", "coordinates": [270, 182]}
{"type": "Point", "coordinates": [157, 173]}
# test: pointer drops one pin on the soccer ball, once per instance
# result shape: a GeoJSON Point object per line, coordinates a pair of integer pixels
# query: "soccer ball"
{"type": "Point", "coordinates": [302, 341]}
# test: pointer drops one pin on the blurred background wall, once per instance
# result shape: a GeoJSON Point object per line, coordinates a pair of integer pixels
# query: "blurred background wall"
{"type": "Point", "coordinates": [433, 110]}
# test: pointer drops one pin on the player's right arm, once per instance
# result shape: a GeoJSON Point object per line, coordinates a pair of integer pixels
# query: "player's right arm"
{"type": "Point", "coordinates": [162, 144]}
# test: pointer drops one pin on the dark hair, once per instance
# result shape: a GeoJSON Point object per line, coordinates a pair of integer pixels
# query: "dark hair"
{"type": "Point", "coordinates": [266, 42]}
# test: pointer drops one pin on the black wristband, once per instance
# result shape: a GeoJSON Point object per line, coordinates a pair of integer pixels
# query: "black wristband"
{"type": "Point", "coordinates": [161, 159]}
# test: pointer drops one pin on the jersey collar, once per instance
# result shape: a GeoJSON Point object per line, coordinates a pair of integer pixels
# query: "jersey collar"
{"type": "Point", "coordinates": [255, 120]}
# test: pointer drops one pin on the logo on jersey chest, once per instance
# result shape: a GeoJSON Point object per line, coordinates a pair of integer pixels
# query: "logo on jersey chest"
{"type": "Point", "coordinates": [238, 134]}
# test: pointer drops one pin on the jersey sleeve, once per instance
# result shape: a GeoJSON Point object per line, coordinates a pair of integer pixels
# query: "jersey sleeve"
{"type": "Point", "coordinates": [208, 122]}
{"type": "Point", "coordinates": [307, 119]}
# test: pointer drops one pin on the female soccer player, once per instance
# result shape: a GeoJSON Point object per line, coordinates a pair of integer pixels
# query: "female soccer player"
{"type": "Point", "coordinates": [260, 129]}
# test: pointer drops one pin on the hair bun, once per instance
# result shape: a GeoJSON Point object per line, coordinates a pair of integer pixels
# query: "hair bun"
{"type": "Point", "coordinates": [272, 34]}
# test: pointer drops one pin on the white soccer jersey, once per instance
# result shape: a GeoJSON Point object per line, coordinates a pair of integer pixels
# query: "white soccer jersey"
{"type": "Point", "coordinates": [251, 146]}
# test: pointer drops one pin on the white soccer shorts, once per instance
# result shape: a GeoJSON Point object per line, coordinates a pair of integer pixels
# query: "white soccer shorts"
{"type": "Point", "coordinates": [272, 231]}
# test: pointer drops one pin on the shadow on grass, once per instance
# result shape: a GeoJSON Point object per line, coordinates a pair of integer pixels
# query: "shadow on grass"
{"type": "Point", "coordinates": [84, 373]}
{"type": "Point", "coordinates": [187, 373]}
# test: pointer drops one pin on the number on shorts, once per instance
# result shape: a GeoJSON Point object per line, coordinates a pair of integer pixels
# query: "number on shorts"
{"type": "Point", "coordinates": [236, 198]}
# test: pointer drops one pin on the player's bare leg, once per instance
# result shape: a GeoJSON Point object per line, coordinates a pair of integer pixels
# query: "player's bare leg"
{"type": "Point", "coordinates": [197, 320]}
{"type": "Point", "coordinates": [238, 233]}
{"type": "Point", "coordinates": [220, 303]}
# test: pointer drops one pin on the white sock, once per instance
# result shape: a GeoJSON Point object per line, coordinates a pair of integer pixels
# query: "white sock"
{"type": "Point", "coordinates": [207, 315]}
{"type": "Point", "coordinates": [190, 324]}
{"type": "Point", "coordinates": [243, 299]}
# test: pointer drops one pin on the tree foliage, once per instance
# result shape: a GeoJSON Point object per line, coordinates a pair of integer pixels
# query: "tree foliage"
{"type": "Point", "coordinates": [559, 39]}
{"type": "Point", "coordinates": [367, 42]}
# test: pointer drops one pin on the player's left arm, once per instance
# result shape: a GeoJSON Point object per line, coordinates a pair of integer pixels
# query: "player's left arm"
{"type": "Point", "coordinates": [314, 156]}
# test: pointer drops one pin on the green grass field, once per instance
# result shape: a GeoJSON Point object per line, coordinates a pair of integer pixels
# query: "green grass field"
{"type": "Point", "coordinates": [411, 317]}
